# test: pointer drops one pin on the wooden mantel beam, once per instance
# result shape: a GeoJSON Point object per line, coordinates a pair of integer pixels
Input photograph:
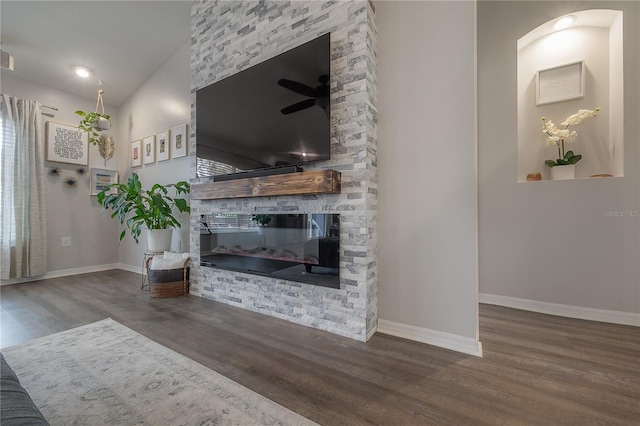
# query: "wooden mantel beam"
{"type": "Point", "coordinates": [302, 183]}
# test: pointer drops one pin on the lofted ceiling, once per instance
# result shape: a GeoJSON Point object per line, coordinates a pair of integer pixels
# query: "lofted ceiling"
{"type": "Point", "coordinates": [122, 42]}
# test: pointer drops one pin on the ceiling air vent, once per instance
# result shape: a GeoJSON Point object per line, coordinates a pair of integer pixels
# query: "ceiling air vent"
{"type": "Point", "coordinates": [7, 60]}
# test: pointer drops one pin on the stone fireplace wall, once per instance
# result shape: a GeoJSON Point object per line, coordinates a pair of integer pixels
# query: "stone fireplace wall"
{"type": "Point", "coordinates": [228, 37]}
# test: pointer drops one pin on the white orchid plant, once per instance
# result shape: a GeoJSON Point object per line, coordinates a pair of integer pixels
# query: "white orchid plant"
{"type": "Point", "coordinates": [559, 135]}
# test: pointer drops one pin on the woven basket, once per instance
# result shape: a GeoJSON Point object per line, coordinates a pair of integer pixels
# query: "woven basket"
{"type": "Point", "coordinates": [168, 282]}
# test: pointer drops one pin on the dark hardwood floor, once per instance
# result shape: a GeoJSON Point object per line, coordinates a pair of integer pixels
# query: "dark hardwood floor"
{"type": "Point", "coordinates": [536, 370]}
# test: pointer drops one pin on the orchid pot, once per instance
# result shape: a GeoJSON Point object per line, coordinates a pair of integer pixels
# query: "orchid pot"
{"type": "Point", "coordinates": [563, 172]}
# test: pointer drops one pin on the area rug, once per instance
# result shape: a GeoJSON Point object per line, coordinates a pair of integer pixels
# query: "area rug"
{"type": "Point", "coordinates": [107, 374]}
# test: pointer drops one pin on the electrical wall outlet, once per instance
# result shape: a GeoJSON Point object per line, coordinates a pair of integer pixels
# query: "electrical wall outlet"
{"type": "Point", "coordinates": [66, 241]}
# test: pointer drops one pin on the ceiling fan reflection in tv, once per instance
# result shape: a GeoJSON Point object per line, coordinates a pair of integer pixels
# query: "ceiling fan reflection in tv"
{"type": "Point", "coordinates": [319, 95]}
{"type": "Point", "coordinates": [273, 114]}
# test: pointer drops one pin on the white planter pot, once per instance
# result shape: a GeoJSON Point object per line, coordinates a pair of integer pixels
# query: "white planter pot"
{"type": "Point", "coordinates": [563, 172]}
{"type": "Point", "coordinates": [159, 239]}
{"type": "Point", "coordinates": [102, 124]}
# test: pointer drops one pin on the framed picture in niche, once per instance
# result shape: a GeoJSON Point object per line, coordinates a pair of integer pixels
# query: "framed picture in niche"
{"type": "Point", "coordinates": [179, 141]}
{"type": "Point", "coordinates": [561, 83]}
{"type": "Point", "coordinates": [136, 154]}
{"type": "Point", "coordinates": [162, 146]}
{"type": "Point", "coordinates": [101, 179]}
{"type": "Point", "coordinates": [149, 149]}
{"type": "Point", "coordinates": [67, 144]}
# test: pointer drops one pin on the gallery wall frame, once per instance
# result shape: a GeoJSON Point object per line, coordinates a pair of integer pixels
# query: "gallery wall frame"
{"type": "Point", "coordinates": [561, 83]}
{"type": "Point", "coordinates": [136, 153]}
{"type": "Point", "coordinates": [66, 144]}
{"type": "Point", "coordinates": [101, 179]}
{"type": "Point", "coordinates": [149, 149]}
{"type": "Point", "coordinates": [162, 146]}
{"type": "Point", "coordinates": [179, 141]}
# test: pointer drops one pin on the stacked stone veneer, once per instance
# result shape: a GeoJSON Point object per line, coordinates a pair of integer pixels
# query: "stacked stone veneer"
{"type": "Point", "coordinates": [228, 37]}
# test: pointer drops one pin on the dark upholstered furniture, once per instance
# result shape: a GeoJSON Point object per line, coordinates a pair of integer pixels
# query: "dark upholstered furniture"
{"type": "Point", "coordinates": [16, 406]}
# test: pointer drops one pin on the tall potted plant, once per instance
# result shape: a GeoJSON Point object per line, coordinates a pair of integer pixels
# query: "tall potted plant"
{"type": "Point", "coordinates": [151, 209]}
{"type": "Point", "coordinates": [261, 219]}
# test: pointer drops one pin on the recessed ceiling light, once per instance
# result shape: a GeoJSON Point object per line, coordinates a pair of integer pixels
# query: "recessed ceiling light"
{"type": "Point", "coordinates": [81, 71]}
{"type": "Point", "coordinates": [564, 22]}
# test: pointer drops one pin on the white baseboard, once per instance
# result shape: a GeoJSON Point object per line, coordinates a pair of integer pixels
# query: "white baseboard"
{"type": "Point", "coordinates": [63, 273]}
{"type": "Point", "coordinates": [131, 268]}
{"type": "Point", "coordinates": [441, 339]}
{"type": "Point", "coordinates": [578, 312]}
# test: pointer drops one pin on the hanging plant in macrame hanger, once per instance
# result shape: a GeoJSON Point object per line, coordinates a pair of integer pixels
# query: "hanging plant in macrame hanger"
{"type": "Point", "coordinates": [95, 122]}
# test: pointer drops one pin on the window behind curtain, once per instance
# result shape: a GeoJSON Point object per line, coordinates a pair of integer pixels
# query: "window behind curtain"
{"type": "Point", "coordinates": [207, 168]}
{"type": "Point", "coordinates": [23, 227]}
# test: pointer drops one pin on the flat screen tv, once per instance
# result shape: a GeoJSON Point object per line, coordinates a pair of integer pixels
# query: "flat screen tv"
{"type": "Point", "coordinates": [273, 114]}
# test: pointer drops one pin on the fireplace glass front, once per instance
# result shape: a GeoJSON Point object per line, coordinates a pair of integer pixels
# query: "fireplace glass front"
{"type": "Point", "coordinates": [295, 247]}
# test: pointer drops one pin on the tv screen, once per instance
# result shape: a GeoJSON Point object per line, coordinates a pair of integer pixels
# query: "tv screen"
{"type": "Point", "coordinates": [273, 114]}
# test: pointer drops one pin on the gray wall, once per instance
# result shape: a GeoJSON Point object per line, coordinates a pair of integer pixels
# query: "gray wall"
{"type": "Point", "coordinates": [163, 102]}
{"type": "Point", "coordinates": [230, 36]}
{"type": "Point", "coordinates": [427, 172]}
{"type": "Point", "coordinates": [552, 242]}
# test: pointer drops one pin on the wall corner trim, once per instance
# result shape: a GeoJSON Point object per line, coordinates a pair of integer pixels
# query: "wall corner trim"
{"type": "Point", "coordinates": [441, 339]}
{"type": "Point", "coordinates": [569, 311]}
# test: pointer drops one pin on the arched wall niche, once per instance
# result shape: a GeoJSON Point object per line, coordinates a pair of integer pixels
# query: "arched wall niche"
{"type": "Point", "coordinates": [595, 39]}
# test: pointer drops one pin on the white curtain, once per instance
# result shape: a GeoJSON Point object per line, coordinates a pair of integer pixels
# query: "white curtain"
{"type": "Point", "coordinates": [23, 227]}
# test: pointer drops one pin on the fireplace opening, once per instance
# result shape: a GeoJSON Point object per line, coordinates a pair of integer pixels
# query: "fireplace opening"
{"type": "Point", "coordinates": [295, 247]}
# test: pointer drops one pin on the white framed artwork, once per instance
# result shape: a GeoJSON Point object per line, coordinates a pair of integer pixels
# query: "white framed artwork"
{"type": "Point", "coordinates": [179, 141]}
{"type": "Point", "coordinates": [561, 83]}
{"type": "Point", "coordinates": [67, 144]}
{"type": "Point", "coordinates": [149, 149]}
{"type": "Point", "coordinates": [162, 146]}
{"type": "Point", "coordinates": [136, 153]}
{"type": "Point", "coordinates": [101, 179]}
